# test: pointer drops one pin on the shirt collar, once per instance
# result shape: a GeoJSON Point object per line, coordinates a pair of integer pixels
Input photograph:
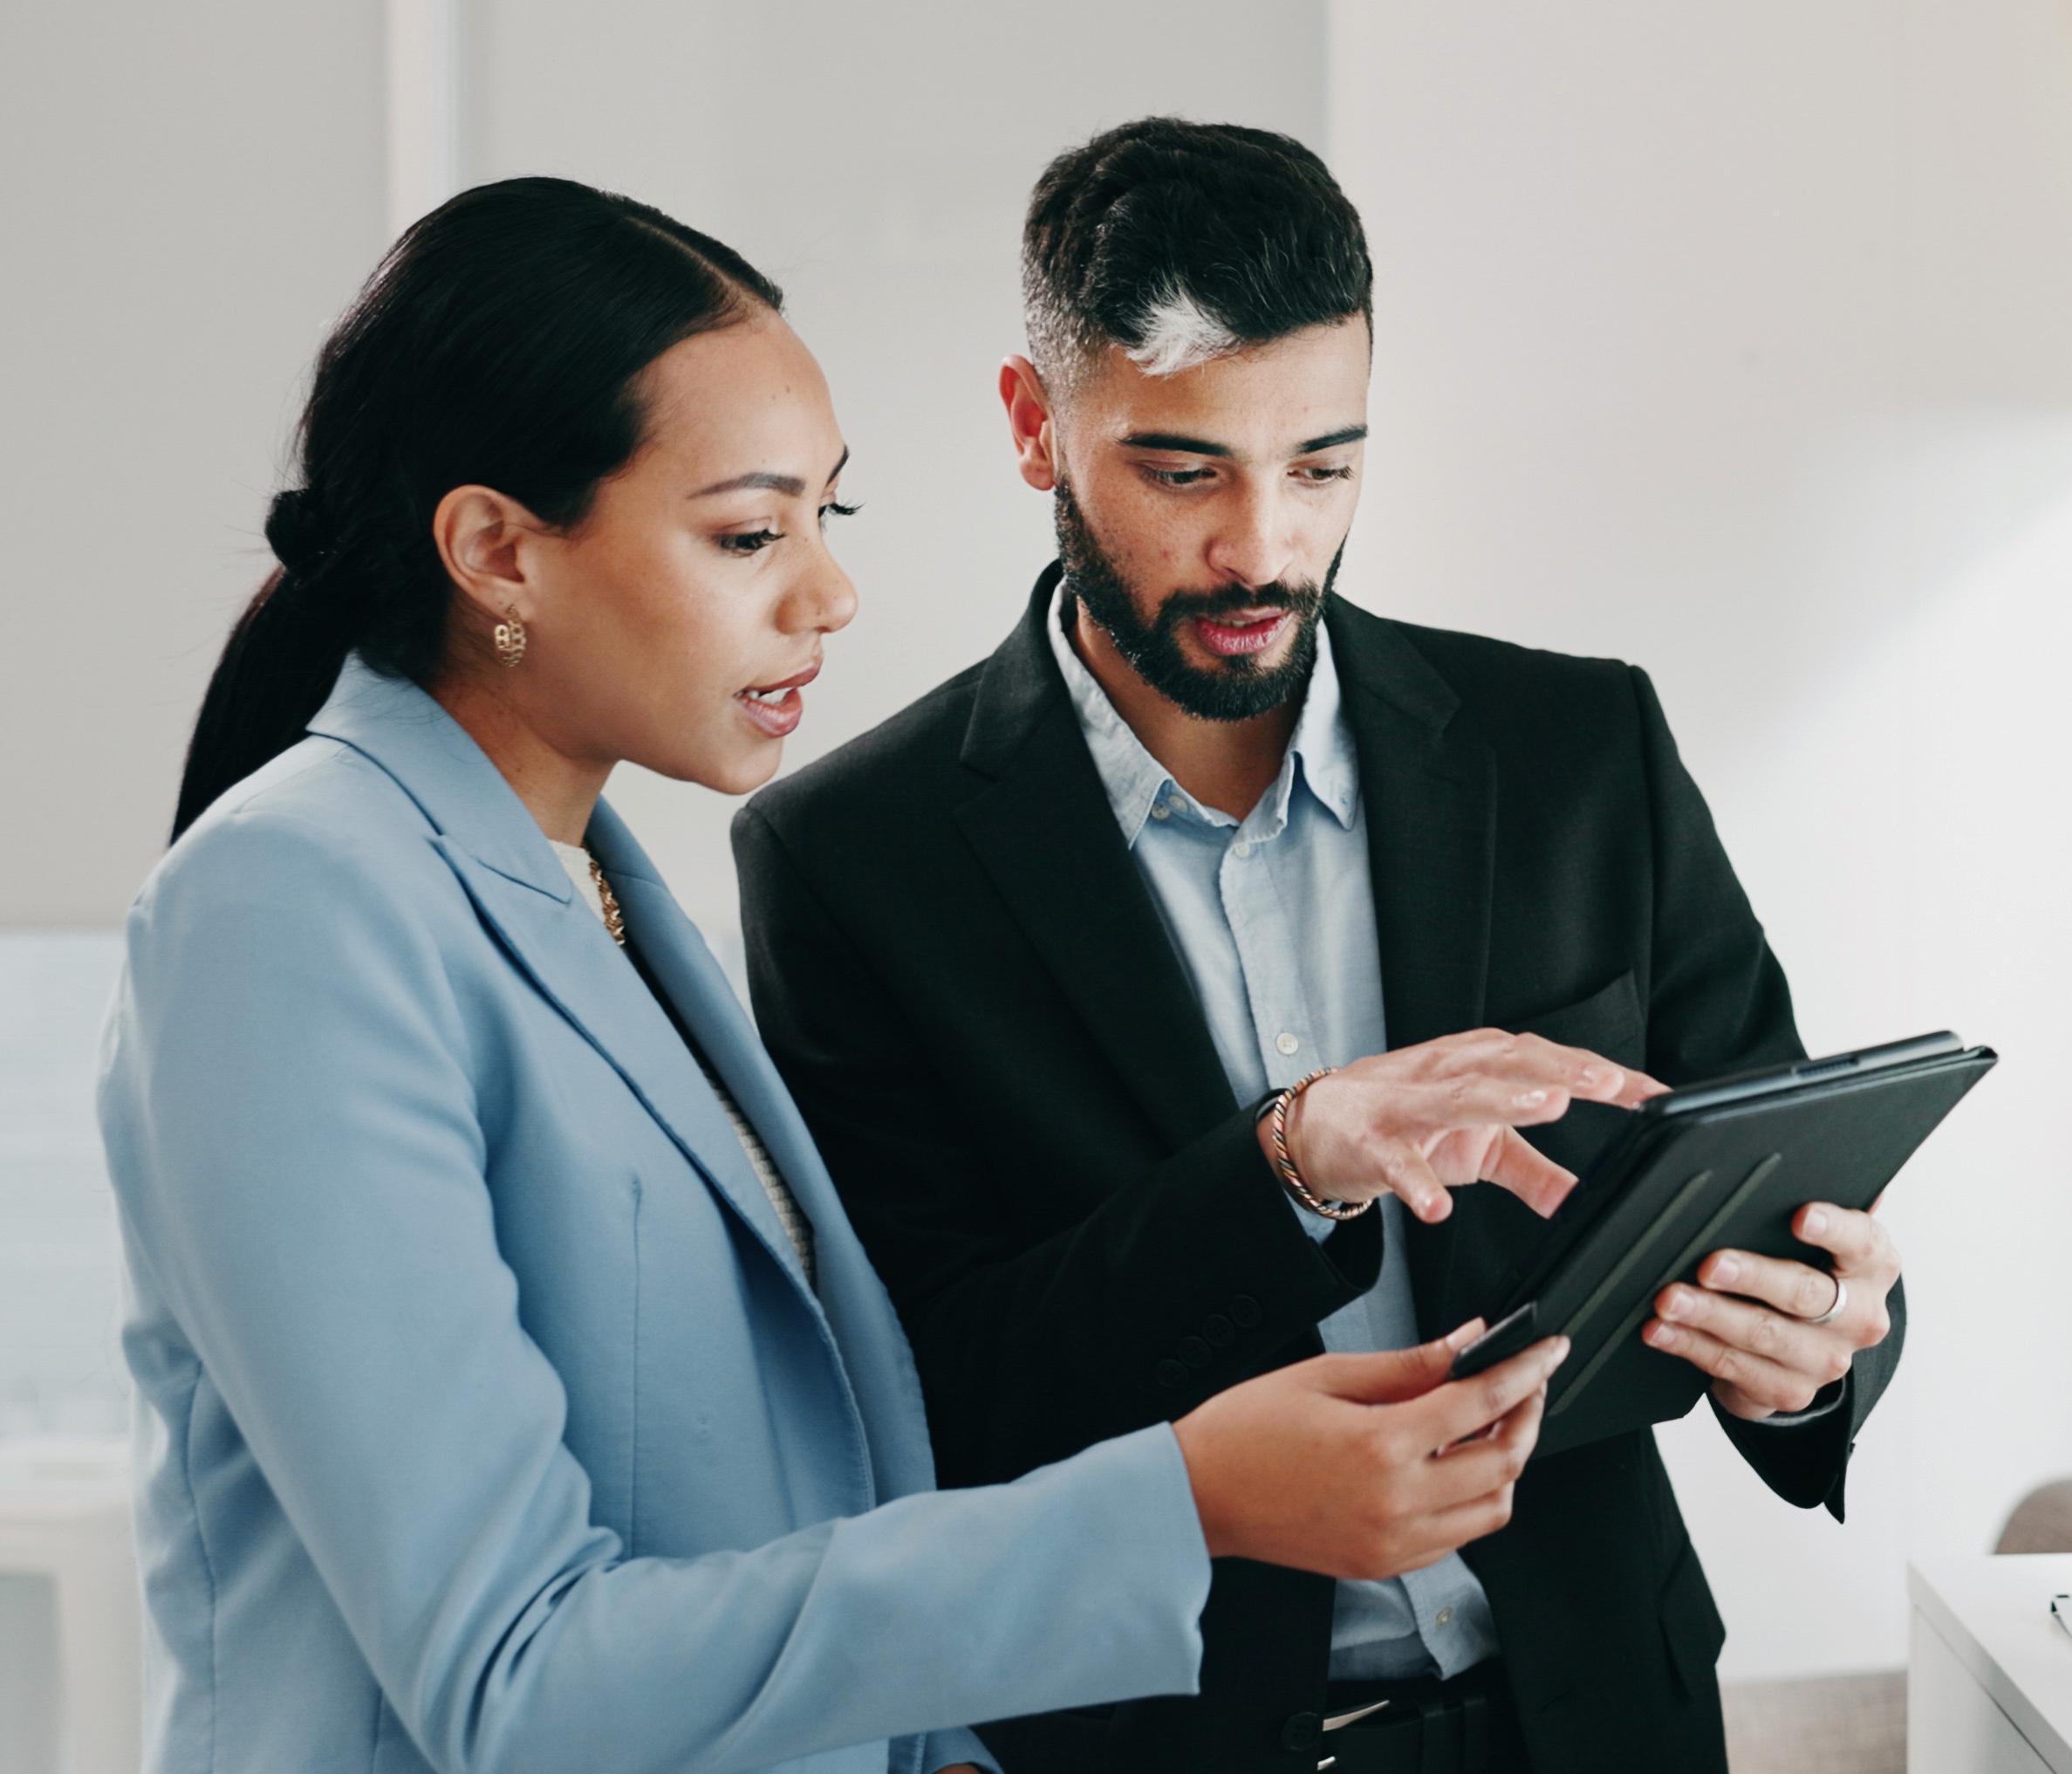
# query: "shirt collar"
{"type": "Point", "coordinates": [1133, 778]}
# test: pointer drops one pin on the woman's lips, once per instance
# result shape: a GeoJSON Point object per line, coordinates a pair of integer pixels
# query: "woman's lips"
{"type": "Point", "coordinates": [777, 708]}
{"type": "Point", "coordinates": [1243, 632]}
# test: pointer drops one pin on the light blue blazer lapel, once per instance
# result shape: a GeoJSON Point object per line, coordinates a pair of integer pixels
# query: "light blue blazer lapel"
{"type": "Point", "coordinates": [880, 1363]}
{"type": "Point", "coordinates": [504, 861]}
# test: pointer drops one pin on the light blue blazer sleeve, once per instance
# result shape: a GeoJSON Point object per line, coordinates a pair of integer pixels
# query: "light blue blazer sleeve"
{"type": "Point", "coordinates": [487, 1423]}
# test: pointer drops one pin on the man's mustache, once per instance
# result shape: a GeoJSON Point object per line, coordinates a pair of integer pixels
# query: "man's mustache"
{"type": "Point", "coordinates": [1179, 606]}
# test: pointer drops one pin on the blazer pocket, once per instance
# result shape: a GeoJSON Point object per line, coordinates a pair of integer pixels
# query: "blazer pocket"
{"type": "Point", "coordinates": [1692, 1629]}
{"type": "Point", "coordinates": [1607, 1022]}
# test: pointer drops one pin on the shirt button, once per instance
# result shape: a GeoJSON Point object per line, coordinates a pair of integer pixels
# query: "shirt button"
{"type": "Point", "coordinates": [1160, 812]}
{"type": "Point", "coordinates": [1446, 1617]}
{"type": "Point", "coordinates": [1286, 1043]}
{"type": "Point", "coordinates": [1241, 849]}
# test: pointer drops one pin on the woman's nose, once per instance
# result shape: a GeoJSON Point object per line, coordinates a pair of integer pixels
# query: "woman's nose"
{"type": "Point", "coordinates": [824, 599]}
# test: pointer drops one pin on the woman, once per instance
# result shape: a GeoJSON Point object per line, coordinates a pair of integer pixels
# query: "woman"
{"type": "Point", "coordinates": [515, 1394]}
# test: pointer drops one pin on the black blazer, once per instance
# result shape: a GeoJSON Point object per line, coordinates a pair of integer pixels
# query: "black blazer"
{"type": "Point", "coordinates": [968, 987]}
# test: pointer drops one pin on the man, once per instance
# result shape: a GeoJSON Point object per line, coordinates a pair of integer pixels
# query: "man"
{"type": "Point", "coordinates": [1035, 954]}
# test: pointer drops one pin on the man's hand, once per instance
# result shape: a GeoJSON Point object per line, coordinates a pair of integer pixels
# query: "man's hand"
{"type": "Point", "coordinates": [1420, 1119]}
{"type": "Point", "coordinates": [1366, 1466]}
{"type": "Point", "coordinates": [1745, 1326]}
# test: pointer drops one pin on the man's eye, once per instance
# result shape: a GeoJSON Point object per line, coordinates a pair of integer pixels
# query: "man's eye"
{"type": "Point", "coordinates": [1178, 476]}
{"type": "Point", "coordinates": [1320, 476]}
{"type": "Point", "coordinates": [751, 542]}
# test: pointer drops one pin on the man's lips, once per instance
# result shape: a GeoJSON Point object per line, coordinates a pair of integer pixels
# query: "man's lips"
{"type": "Point", "coordinates": [777, 708]}
{"type": "Point", "coordinates": [1240, 633]}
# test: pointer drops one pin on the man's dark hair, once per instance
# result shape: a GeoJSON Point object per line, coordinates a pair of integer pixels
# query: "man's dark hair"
{"type": "Point", "coordinates": [1182, 242]}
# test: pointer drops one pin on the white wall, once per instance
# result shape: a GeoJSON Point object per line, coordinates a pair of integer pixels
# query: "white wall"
{"type": "Point", "coordinates": [1736, 338]}
{"type": "Point", "coordinates": [187, 195]}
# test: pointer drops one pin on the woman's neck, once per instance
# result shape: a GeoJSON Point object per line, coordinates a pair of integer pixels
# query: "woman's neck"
{"type": "Point", "coordinates": [559, 792]}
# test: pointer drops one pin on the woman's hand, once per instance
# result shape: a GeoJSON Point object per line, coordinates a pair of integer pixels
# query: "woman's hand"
{"type": "Point", "coordinates": [1420, 1119]}
{"type": "Point", "coordinates": [1366, 1466]}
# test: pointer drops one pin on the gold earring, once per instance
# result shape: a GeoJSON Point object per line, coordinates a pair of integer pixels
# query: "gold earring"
{"type": "Point", "coordinates": [510, 640]}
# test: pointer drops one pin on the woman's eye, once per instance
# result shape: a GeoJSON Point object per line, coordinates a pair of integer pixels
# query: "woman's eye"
{"type": "Point", "coordinates": [835, 507]}
{"type": "Point", "coordinates": [751, 542]}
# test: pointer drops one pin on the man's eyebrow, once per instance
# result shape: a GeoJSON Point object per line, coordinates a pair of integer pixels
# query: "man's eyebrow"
{"type": "Point", "coordinates": [1201, 446]}
{"type": "Point", "coordinates": [1174, 441]}
{"type": "Point", "coordinates": [764, 481]}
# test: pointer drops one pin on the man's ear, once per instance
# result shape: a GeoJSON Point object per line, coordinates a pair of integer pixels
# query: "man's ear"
{"type": "Point", "coordinates": [484, 537]}
{"type": "Point", "coordinates": [1029, 423]}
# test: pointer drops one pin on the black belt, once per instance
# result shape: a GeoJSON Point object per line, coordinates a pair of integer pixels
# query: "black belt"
{"type": "Point", "coordinates": [1465, 1726]}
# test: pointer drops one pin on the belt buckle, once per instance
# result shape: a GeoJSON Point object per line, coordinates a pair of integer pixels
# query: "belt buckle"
{"type": "Point", "coordinates": [1338, 1721]}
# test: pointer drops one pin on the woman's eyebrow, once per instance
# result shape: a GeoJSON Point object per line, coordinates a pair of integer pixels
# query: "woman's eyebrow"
{"type": "Point", "coordinates": [764, 481]}
{"type": "Point", "coordinates": [790, 486]}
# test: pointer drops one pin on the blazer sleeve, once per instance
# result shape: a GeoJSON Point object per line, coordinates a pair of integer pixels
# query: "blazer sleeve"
{"type": "Point", "coordinates": [1719, 1003]}
{"type": "Point", "coordinates": [1026, 1351]}
{"type": "Point", "coordinates": [291, 1118]}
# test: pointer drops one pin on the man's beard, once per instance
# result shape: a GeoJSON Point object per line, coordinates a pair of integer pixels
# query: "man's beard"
{"type": "Point", "coordinates": [1235, 688]}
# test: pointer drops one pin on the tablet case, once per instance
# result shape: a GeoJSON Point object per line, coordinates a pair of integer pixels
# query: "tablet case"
{"type": "Point", "coordinates": [1722, 1164]}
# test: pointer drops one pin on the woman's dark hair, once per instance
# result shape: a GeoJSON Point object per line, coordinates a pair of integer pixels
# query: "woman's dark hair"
{"type": "Point", "coordinates": [499, 343]}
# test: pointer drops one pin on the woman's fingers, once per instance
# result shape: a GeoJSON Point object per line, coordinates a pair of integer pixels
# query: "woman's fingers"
{"type": "Point", "coordinates": [1462, 1408]}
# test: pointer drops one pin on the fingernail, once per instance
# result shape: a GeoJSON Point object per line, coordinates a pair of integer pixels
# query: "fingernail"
{"type": "Point", "coordinates": [1561, 1351]}
{"type": "Point", "coordinates": [1677, 1305]}
{"type": "Point", "coordinates": [1725, 1270]}
{"type": "Point", "coordinates": [1660, 1335]}
{"type": "Point", "coordinates": [1816, 1222]}
{"type": "Point", "coordinates": [1466, 1333]}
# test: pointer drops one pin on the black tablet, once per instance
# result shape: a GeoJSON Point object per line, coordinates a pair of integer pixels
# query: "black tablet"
{"type": "Point", "coordinates": [1726, 1163]}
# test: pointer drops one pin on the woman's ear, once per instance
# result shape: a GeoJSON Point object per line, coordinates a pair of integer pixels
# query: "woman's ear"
{"type": "Point", "coordinates": [486, 540]}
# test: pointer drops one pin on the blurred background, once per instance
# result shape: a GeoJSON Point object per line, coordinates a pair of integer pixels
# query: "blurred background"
{"type": "Point", "coordinates": [1730, 337]}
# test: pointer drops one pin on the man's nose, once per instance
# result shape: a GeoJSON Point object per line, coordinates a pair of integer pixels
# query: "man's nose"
{"type": "Point", "coordinates": [1253, 546]}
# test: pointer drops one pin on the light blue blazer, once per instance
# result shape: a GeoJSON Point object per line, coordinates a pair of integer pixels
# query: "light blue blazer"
{"type": "Point", "coordinates": [487, 1419]}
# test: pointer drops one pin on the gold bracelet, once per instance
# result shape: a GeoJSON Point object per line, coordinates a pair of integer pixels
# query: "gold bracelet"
{"type": "Point", "coordinates": [1284, 1162]}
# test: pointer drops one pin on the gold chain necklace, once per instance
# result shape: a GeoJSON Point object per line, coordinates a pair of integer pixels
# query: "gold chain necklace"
{"type": "Point", "coordinates": [614, 919]}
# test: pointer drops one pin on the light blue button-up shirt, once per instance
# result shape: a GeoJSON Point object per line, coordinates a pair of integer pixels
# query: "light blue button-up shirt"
{"type": "Point", "coordinates": [1272, 920]}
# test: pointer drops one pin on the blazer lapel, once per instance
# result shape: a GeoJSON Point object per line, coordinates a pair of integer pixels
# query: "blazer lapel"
{"type": "Point", "coordinates": [1428, 783]}
{"type": "Point", "coordinates": [684, 967]}
{"type": "Point", "coordinates": [565, 951]}
{"type": "Point", "coordinates": [508, 868]}
{"type": "Point", "coordinates": [1044, 831]}
{"type": "Point", "coordinates": [1429, 787]}
{"type": "Point", "coordinates": [850, 1300]}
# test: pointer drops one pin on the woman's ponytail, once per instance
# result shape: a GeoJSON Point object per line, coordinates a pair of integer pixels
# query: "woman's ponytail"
{"type": "Point", "coordinates": [280, 664]}
{"type": "Point", "coordinates": [498, 345]}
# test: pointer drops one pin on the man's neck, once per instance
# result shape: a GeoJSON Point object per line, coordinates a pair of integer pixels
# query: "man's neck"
{"type": "Point", "coordinates": [1224, 764]}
